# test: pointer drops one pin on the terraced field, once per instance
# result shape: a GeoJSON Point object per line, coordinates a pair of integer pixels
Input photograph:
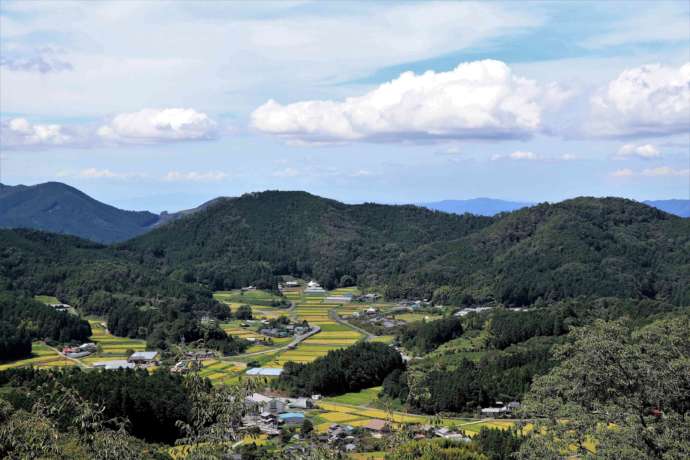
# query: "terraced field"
{"type": "Point", "coordinates": [221, 372]}
{"type": "Point", "coordinates": [42, 357]}
{"type": "Point", "coordinates": [110, 347]}
{"type": "Point", "coordinates": [358, 416]}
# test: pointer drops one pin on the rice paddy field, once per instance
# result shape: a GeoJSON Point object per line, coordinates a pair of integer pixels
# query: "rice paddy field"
{"type": "Point", "coordinates": [221, 372]}
{"type": "Point", "coordinates": [256, 297]}
{"type": "Point", "coordinates": [332, 412]}
{"type": "Point", "coordinates": [42, 356]}
{"type": "Point", "coordinates": [317, 312]}
{"type": "Point", "coordinates": [110, 347]}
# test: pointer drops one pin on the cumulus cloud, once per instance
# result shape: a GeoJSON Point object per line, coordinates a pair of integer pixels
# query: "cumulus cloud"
{"type": "Point", "coordinates": [517, 155]}
{"type": "Point", "coordinates": [158, 125]}
{"type": "Point", "coordinates": [20, 133]}
{"type": "Point", "coordinates": [476, 100]}
{"type": "Point", "coordinates": [651, 100]}
{"type": "Point", "coordinates": [646, 151]}
{"type": "Point", "coordinates": [195, 176]}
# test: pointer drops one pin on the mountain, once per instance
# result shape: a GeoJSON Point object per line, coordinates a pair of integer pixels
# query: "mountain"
{"type": "Point", "coordinates": [678, 207]}
{"type": "Point", "coordinates": [477, 206]}
{"type": "Point", "coordinates": [236, 241]}
{"type": "Point", "coordinates": [603, 247]}
{"type": "Point", "coordinates": [59, 208]}
{"type": "Point", "coordinates": [580, 247]}
{"type": "Point", "coordinates": [584, 246]}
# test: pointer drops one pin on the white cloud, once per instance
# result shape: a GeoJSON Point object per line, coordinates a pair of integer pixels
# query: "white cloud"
{"type": "Point", "coordinates": [95, 173]}
{"type": "Point", "coordinates": [20, 133]}
{"type": "Point", "coordinates": [158, 125]}
{"type": "Point", "coordinates": [568, 157]}
{"type": "Point", "coordinates": [665, 171]}
{"type": "Point", "coordinates": [661, 171]}
{"type": "Point", "coordinates": [651, 100]}
{"type": "Point", "coordinates": [476, 100]}
{"type": "Point", "coordinates": [627, 172]}
{"type": "Point", "coordinates": [644, 151]}
{"type": "Point", "coordinates": [287, 172]}
{"type": "Point", "coordinates": [517, 155]}
{"type": "Point", "coordinates": [194, 176]}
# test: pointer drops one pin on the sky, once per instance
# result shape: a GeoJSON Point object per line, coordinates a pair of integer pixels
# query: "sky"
{"type": "Point", "coordinates": [164, 105]}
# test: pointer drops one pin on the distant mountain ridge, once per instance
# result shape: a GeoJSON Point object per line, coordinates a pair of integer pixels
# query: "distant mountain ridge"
{"type": "Point", "coordinates": [478, 206]}
{"type": "Point", "coordinates": [678, 207]}
{"type": "Point", "coordinates": [59, 208]}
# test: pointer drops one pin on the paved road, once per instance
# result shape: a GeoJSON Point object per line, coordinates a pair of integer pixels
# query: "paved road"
{"type": "Point", "coordinates": [334, 315]}
{"type": "Point", "coordinates": [297, 340]}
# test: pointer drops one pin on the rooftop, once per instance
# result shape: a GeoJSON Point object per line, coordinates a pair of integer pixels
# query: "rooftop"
{"type": "Point", "coordinates": [265, 371]}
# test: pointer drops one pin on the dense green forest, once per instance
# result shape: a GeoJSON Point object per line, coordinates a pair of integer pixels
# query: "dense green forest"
{"type": "Point", "coordinates": [23, 319]}
{"type": "Point", "coordinates": [360, 366]}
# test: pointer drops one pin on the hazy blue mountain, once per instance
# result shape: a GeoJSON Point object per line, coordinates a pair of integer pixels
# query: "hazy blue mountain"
{"type": "Point", "coordinates": [477, 206]}
{"type": "Point", "coordinates": [678, 207]}
{"type": "Point", "coordinates": [59, 208]}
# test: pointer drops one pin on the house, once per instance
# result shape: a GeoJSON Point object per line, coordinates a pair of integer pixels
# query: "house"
{"type": "Point", "coordinates": [291, 418]}
{"type": "Point", "coordinates": [376, 425]}
{"type": "Point", "coordinates": [301, 403]}
{"type": "Point", "coordinates": [113, 365]}
{"type": "Point", "coordinates": [143, 357]}
{"type": "Point", "coordinates": [314, 288]}
{"type": "Point", "coordinates": [344, 298]}
{"type": "Point", "coordinates": [291, 284]}
{"type": "Point", "coordinates": [316, 397]}
{"type": "Point", "coordinates": [494, 411]}
{"type": "Point", "coordinates": [265, 371]}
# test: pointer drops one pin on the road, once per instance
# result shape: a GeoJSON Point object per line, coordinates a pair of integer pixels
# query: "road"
{"type": "Point", "coordinates": [295, 342]}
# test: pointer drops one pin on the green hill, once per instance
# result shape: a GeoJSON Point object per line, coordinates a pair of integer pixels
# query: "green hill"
{"type": "Point", "coordinates": [584, 246]}
{"type": "Point", "coordinates": [59, 208]}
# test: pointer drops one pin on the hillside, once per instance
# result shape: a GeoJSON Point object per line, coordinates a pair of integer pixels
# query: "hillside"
{"type": "Point", "coordinates": [236, 241]}
{"type": "Point", "coordinates": [59, 208]}
{"type": "Point", "coordinates": [477, 206]}
{"type": "Point", "coordinates": [585, 246]}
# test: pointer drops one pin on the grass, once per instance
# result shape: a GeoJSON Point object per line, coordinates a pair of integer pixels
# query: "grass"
{"type": "Point", "coordinates": [41, 356]}
{"type": "Point", "coordinates": [412, 317]}
{"type": "Point", "coordinates": [257, 297]}
{"type": "Point", "coordinates": [47, 299]}
{"type": "Point", "coordinates": [359, 398]}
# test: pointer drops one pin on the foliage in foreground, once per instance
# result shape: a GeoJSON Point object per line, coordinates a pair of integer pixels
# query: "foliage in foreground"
{"type": "Point", "coordinates": [618, 393]}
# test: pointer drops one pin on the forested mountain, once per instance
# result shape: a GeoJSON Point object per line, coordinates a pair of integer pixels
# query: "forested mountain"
{"type": "Point", "coordinates": [59, 208]}
{"type": "Point", "coordinates": [585, 246]}
{"type": "Point", "coordinates": [240, 241]}
{"type": "Point", "coordinates": [476, 206]}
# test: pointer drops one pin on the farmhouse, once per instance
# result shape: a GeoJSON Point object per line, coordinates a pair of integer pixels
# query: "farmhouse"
{"type": "Point", "coordinates": [113, 365]}
{"type": "Point", "coordinates": [265, 371]}
{"type": "Point", "coordinates": [314, 288]}
{"type": "Point", "coordinates": [291, 418]}
{"type": "Point", "coordinates": [143, 357]}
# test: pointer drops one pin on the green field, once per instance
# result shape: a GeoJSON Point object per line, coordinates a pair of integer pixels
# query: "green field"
{"type": "Point", "coordinates": [360, 398]}
{"type": "Point", "coordinates": [42, 356]}
{"type": "Point", "coordinates": [46, 299]}
{"type": "Point", "coordinates": [257, 297]}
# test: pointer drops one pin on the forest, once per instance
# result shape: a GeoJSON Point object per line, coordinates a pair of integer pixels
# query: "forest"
{"type": "Point", "coordinates": [360, 366]}
{"type": "Point", "coordinates": [23, 319]}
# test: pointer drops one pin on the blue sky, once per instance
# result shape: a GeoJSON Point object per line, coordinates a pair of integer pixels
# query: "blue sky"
{"type": "Point", "coordinates": [162, 106]}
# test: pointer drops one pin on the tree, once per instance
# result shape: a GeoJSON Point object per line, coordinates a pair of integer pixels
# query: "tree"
{"type": "Point", "coordinates": [307, 427]}
{"type": "Point", "coordinates": [618, 393]}
{"type": "Point", "coordinates": [244, 312]}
